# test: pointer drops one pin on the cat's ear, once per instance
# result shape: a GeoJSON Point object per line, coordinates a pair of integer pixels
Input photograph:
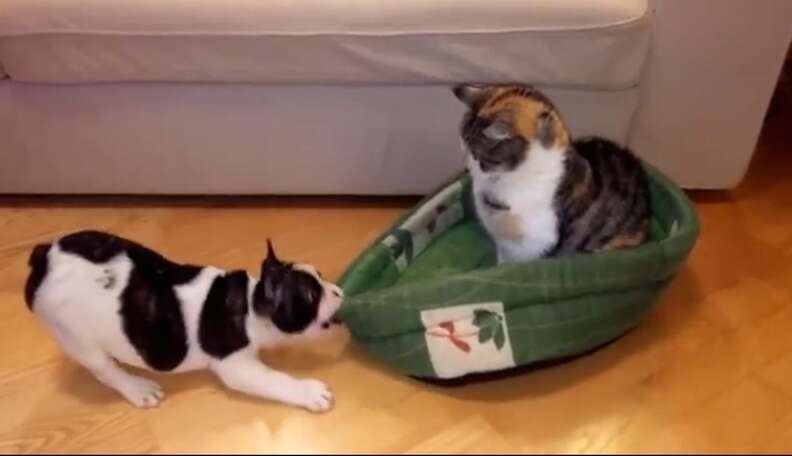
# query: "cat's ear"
{"type": "Point", "coordinates": [499, 130]}
{"type": "Point", "coordinates": [545, 129]}
{"type": "Point", "coordinates": [472, 95]}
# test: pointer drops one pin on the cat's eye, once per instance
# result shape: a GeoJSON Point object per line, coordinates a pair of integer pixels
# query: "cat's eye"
{"type": "Point", "coordinates": [498, 131]}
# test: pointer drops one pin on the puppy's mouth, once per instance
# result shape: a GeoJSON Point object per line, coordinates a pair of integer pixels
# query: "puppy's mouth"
{"type": "Point", "coordinates": [333, 321]}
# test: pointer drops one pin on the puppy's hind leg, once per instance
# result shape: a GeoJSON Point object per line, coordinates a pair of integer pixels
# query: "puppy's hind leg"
{"type": "Point", "coordinates": [141, 392]}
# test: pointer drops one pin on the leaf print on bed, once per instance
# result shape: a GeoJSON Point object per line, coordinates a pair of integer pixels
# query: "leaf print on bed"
{"type": "Point", "coordinates": [490, 326]}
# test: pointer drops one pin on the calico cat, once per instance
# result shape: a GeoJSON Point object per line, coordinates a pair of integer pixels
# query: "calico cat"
{"type": "Point", "coordinates": [537, 192]}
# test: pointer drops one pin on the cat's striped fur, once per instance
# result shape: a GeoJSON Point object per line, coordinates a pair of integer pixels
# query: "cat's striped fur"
{"type": "Point", "coordinates": [538, 192]}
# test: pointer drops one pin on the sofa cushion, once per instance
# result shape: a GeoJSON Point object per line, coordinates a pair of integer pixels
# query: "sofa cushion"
{"type": "Point", "coordinates": [166, 138]}
{"type": "Point", "coordinates": [581, 43]}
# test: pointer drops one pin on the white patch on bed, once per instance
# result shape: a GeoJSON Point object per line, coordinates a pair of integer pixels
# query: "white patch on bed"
{"type": "Point", "coordinates": [452, 360]}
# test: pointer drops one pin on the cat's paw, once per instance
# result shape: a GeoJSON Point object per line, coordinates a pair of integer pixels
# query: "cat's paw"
{"type": "Point", "coordinates": [315, 396]}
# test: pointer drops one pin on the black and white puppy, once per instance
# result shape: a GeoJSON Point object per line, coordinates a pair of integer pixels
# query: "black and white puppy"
{"type": "Point", "coordinates": [106, 299]}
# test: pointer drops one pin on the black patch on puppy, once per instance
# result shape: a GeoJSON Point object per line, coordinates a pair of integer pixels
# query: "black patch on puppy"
{"type": "Point", "coordinates": [150, 311]}
{"type": "Point", "coordinates": [298, 303]}
{"type": "Point", "coordinates": [94, 246]}
{"type": "Point", "coordinates": [221, 329]}
{"type": "Point", "coordinates": [100, 247]}
{"type": "Point", "coordinates": [153, 320]}
{"type": "Point", "coordinates": [289, 297]}
{"type": "Point", "coordinates": [38, 270]}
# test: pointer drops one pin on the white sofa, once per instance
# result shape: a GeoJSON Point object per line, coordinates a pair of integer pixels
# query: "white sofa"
{"type": "Point", "coordinates": [352, 96]}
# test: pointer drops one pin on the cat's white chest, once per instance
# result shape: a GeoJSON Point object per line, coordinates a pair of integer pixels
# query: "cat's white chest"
{"type": "Point", "coordinates": [526, 225]}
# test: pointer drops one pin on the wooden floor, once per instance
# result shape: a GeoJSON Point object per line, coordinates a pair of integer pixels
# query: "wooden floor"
{"type": "Point", "coordinates": [710, 369]}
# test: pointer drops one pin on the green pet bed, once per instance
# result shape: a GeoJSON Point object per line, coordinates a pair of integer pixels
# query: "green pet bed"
{"type": "Point", "coordinates": [428, 299]}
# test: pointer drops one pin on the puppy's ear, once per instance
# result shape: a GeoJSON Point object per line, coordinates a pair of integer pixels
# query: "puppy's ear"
{"type": "Point", "coordinates": [263, 305]}
{"type": "Point", "coordinates": [271, 261]}
{"type": "Point", "coordinates": [265, 294]}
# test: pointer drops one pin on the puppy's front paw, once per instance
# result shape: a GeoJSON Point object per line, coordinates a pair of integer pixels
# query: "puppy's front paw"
{"type": "Point", "coordinates": [142, 393]}
{"type": "Point", "coordinates": [316, 397]}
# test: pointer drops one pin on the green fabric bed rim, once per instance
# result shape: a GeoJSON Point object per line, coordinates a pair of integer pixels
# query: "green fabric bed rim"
{"type": "Point", "coordinates": [428, 298]}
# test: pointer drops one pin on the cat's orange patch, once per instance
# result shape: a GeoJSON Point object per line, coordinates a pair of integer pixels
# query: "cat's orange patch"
{"type": "Point", "coordinates": [625, 240]}
{"type": "Point", "coordinates": [583, 186]}
{"type": "Point", "coordinates": [523, 113]}
{"type": "Point", "coordinates": [508, 226]}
